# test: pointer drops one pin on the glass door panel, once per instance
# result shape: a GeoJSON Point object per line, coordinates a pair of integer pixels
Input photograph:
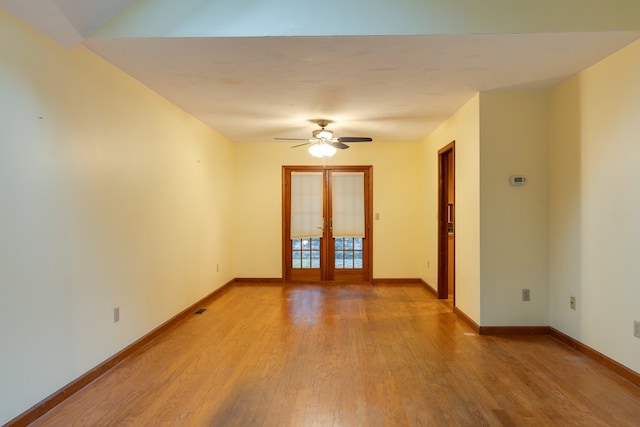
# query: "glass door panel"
{"type": "Point", "coordinates": [305, 253]}
{"type": "Point", "coordinates": [305, 211]}
{"type": "Point", "coordinates": [348, 252]}
{"type": "Point", "coordinates": [348, 209]}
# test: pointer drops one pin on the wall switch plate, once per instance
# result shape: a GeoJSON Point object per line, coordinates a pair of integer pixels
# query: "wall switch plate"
{"type": "Point", "coordinates": [116, 314]}
{"type": "Point", "coordinates": [572, 303]}
{"type": "Point", "coordinates": [636, 329]}
{"type": "Point", "coordinates": [526, 295]}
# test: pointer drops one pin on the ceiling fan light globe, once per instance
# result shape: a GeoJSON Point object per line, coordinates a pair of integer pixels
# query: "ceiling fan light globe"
{"type": "Point", "coordinates": [316, 150]}
{"type": "Point", "coordinates": [329, 150]}
{"type": "Point", "coordinates": [322, 150]}
{"type": "Point", "coordinates": [323, 134]}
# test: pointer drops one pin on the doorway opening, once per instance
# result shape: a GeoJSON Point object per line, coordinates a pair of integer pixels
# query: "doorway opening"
{"type": "Point", "coordinates": [327, 223]}
{"type": "Point", "coordinates": [446, 223]}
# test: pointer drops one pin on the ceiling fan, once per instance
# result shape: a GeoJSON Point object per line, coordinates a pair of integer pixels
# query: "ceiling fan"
{"type": "Point", "coordinates": [323, 143]}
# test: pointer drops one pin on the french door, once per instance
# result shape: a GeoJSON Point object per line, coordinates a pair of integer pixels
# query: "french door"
{"type": "Point", "coordinates": [327, 223]}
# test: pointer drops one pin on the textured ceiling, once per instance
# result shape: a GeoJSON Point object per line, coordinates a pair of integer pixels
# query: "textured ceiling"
{"type": "Point", "coordinates": [391, 88]}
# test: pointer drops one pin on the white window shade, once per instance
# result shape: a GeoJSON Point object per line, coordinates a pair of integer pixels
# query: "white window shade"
{"type": "Point", "coordinates": [306, 204]}
{"type": "Point", "coordinates": [348, 204]}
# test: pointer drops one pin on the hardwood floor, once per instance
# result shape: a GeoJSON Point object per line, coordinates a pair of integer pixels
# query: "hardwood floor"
{"type": "Point", "coordinates": [347, 355]}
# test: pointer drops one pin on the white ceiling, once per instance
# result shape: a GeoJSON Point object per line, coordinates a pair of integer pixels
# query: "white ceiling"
{"type": "Point", "coordinates": [391, 88]}
{"type": "Point", "coordinates": [395, 88]}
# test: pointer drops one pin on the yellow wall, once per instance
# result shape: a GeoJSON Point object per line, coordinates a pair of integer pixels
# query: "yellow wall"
{"type": "Point", "coordinates": [396, 197]}
{"type": "Point", "coordinates": [594, 206]}
{"type": "Point", "coordinates": [463, 128]}
{"type": "Point", "coordinates": [111, 197]}
{"type": "Point", "coordinates": [513, 219]}
{"type": "Point", "coordinates": [501, 230]}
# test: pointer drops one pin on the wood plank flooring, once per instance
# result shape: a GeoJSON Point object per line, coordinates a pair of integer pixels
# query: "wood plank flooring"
{"type": "Point", "coordinates": [347, 355]}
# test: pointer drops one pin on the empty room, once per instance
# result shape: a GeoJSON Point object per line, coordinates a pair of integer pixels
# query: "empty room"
{"type": "Point", "coordinates": [279, 213]}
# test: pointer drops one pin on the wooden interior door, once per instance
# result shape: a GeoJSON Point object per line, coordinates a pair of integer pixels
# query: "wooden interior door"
{"type": "Point", "coordinates": [327, 257]}
{"type": "Point", "coordinates": [446, 222]}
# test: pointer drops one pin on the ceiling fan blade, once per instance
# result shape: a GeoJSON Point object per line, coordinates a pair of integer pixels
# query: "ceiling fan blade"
{"type": "Point", "coordinates": [292, 139]}
{"type": "Point", "coordinates": [354, 139]}
{"type": "Point", "coordinates": [300, 145]}
{"type": "Point", "coordinates": [338, 144]}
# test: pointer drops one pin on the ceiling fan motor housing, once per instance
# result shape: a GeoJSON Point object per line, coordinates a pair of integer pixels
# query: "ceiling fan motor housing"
{"type": "Point", "coordinates": [323, 123]}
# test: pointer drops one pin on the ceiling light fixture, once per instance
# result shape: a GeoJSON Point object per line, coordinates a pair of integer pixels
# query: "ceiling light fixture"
{"type": "Point", "coordinates": [322, 149]}
{"type": "Point", "coordinates": [322, 134]}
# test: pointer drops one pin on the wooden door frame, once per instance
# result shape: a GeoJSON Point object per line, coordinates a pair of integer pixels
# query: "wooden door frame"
{"type": "Point", "coordinates": [444, 174]}
{"type": "Point", "coordinates": [324, 243]}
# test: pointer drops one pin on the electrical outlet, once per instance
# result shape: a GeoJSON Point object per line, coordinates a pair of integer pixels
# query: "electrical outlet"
{"type": "Point", "coordinates": [116, 314]}
{"type": "Point", "coordinates": [636, 329]}
{"type": "Point", "coordinates": [572, 303]}
{"type": "Point", "coordinates": [526, 295]}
